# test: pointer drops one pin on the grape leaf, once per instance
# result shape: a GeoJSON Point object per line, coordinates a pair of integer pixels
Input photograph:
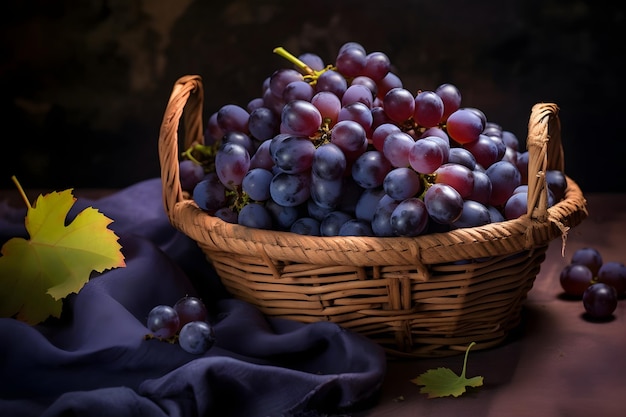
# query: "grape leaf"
{"type": "Point", "coordinates": [442, 382]}
{"type": "Point", "coordinates": [36, 274]}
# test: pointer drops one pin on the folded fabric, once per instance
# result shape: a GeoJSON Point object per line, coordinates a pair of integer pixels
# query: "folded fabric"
{"type": "Point", "coordinates": [95, 361]}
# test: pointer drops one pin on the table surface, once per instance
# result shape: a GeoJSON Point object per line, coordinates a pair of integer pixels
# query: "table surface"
{"type": "Point", "coordinates": [557, 363]}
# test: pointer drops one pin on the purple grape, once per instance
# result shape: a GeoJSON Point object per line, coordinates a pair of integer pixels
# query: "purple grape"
{"type": "Point", "coordinates": [306, 226]}
{"type": "Point", "coordinates": [443, 203]}
{"type": "Point", "coordinates": [409, 218]}
{"type": "Point", "coordinates": [590, 257]}
{"type": "Point", "coordinates": [370, 169]}
{"type": "Point", "coordinates": [163, 321]}
{"type": "Point", "coordinates": [600, 300]}
{"type": "Point", "coordinates": [255, 215]}
{"type": "Point", "coordinates": [196, 337]}
{"type": "Point", "coordinates": [332, 222]}
{"type": "Point", "coordinates": [428, 109]}
{"type": "Point", "coordinates": [575, 279]}
{"type": "Point", "coordinates": [614, 274]}
{"type": "Point", "coordinates": [190, 309]}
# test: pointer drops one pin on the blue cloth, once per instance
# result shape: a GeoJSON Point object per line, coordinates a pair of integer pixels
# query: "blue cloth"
{"type": "Point", "coordinates": [94, 360]}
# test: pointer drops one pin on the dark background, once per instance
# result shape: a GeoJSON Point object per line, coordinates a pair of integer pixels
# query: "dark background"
{"type": "Point", "coordinates": [84, 83]}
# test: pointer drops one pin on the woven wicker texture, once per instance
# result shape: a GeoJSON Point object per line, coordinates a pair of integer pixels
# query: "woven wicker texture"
{"type": "Point", "coordinates": [418, 297]}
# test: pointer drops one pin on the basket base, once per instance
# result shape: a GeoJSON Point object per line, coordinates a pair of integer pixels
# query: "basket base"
{"type": "Point", "coordinates": [410, 312]}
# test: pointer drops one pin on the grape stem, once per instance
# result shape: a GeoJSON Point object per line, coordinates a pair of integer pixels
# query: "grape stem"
{"type": "Point", "coordinates": [310, 75]}
{"type": "Point", "coordinates": [21, 191]}
{"type": "Point", "coordinates": [294, 60]}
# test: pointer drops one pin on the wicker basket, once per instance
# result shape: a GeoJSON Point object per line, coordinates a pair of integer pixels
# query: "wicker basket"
{"type": "Point", "coordinates": [417, 297]}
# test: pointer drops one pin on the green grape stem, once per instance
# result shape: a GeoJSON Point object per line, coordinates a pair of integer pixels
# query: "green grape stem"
{"type": "Point", "coordinates": [21, 191]}
{"type": "Point", "coordinates": [310, 75]}
{"type": "Point", "coordinates": [465, 360]}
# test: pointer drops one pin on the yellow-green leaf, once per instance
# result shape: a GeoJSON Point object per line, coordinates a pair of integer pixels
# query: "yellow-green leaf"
{"type": "Point", "coordinates": [57, 260]}
{"type": "Point", "coordinates": [442, 382]}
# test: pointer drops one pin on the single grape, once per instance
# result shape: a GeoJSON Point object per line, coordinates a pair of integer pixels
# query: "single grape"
{"type": "Point", "coordinates": [210, 194]}
{"type": "Point", "coordinates": [331, 81]}
{"type": "Point", "coordinates": [409, 218]}
{"type": "Point", "coordinates": [389, 82]}
{"type": "Point", "coordinates": [191, 173]}
{"type": "Point", "coordinates": [329, 105]}
{"type": "Point", "coordinates": [332, 222]}
{"type": "Point", "coordinates": [326, 193]}
{"type": "Point", "coordinates": [240, 139]}
{"type": "Point", "coordinates": [281, 78]}
{"type": "Point", "coordinates": [232, 162]}
{"type": "Point", "coordinates": [298, 90]}
{"type": "Point", "coordinates": [263, 123]}
{"type": "Point", "coordinates": [482, 188]}
{"type": "Point", "coordinates": [233, 118]}
{"type": "Point", "coordinates": [381, 220]}
{"type": "Point", "coordinates": [505, 177]}
{"type": "Point", "coordinates": [227, 214]}
{"type": "Point", "coordinates": [255, 215]}
{"type": "Point", "coordinates": [190, 309]}
{"type": "Point", "coordinates": [306, 226]}
{"type": "Point", "coordinates": [367, 203]}
{"type": "Point", "coordinates": [380, 133]}
{"type": "Point", "coordinates": [369, 83]}
{"type": "Point", "coordinates": [290, 189]}
{"type": "Point", "coordinates": [402, 183]}
{"type": "Point", "coordinates": [357, 94]}
{"type": "Point", "coordinates": [575, 279]}
{"type": "Point", "coordinates": [349, 136]}
{"type": "Point", "coordinates": [600, 300]}
{"type": "Point", "coordinates": [614, 274]}
{"type": "Point", "coordinates": [462, 156]}
{"type": "Point", "coordinates": [196, 337]}
{"type": "Point", "coordinates": [557, 183]}
{"type": "Point", "coordinates": [590, 257]}
{"type": "Point", "coordinates": [443, 203]}
{"type": "Point", "coordinates": [516, 205]}
{"type": "Point", "coordinates": [427, 154]}
{"type": "Point", "coordinates": [485, 150]}
{"type": "Point", "coordinates": [451, 97]}
{"type": "Point", "coordinates": [357, 112]}
{"type": "Point", "coordinates": [329, 162]}
{"type": "Point", "coordinates": [293, 154]}
{"type": "Point", "coordinates": [397, 147]}
{"type": "Point", "coordinates": [300, 118]}
{"type": "Point", "coordinates": [356, 227]}
{"type": "Point", "coordinates": [314, 61]}
{"type": "Point", "coordinates": [464, 126]}
{"type": "Point", "coordinates": [262, 158]}
{"type": "Point", "coordinates": [370, 169]}
{"type": "Point", "coordinates": [459, 177]}
{"type": "Point", "coordinates": [473, 214]}
{"type": "Point", "coordinates": [377, 65]}
{"type": "Point", "coordinates": [282, 216]}
{"type": "Point", "coordinates": [428, 109]}
{"type": "Point", "coordinates": [522, 165]}
{"type": "Point", "coordinates": [163, 321]}
{"type": "Point", "coordinates": [399, 104]}
{"type": "Point", "coordinates": [351, 61]}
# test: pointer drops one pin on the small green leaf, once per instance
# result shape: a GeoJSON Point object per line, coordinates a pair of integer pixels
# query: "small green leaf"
{"type": "Point", "coordinates": [442, 382]}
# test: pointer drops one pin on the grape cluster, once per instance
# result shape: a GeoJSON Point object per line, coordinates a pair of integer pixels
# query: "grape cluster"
{"type": "Point", "coordinates": [346, 149]}
{"type": "Point", "coordinates": [599, 284]}
{"type": "Point", "coordinates": [186, 323]}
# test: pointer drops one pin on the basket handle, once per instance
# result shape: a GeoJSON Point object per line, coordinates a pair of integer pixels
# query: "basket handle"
{"type": "Point", "coordinates": [188, 94]}
{"type": "Point", "coordinates": [545, 152]}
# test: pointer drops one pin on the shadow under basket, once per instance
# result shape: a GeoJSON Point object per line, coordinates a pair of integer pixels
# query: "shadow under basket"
{"type": "Point", "coordinates": [424, 296]}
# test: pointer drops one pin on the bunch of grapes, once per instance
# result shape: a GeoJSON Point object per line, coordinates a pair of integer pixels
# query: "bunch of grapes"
{"type": "Point", "coordinates": [346, 149]}
{"type": "Point", "coordinates": [186, 322]}
{"type": "Point", "coordinates": [599, 284]}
